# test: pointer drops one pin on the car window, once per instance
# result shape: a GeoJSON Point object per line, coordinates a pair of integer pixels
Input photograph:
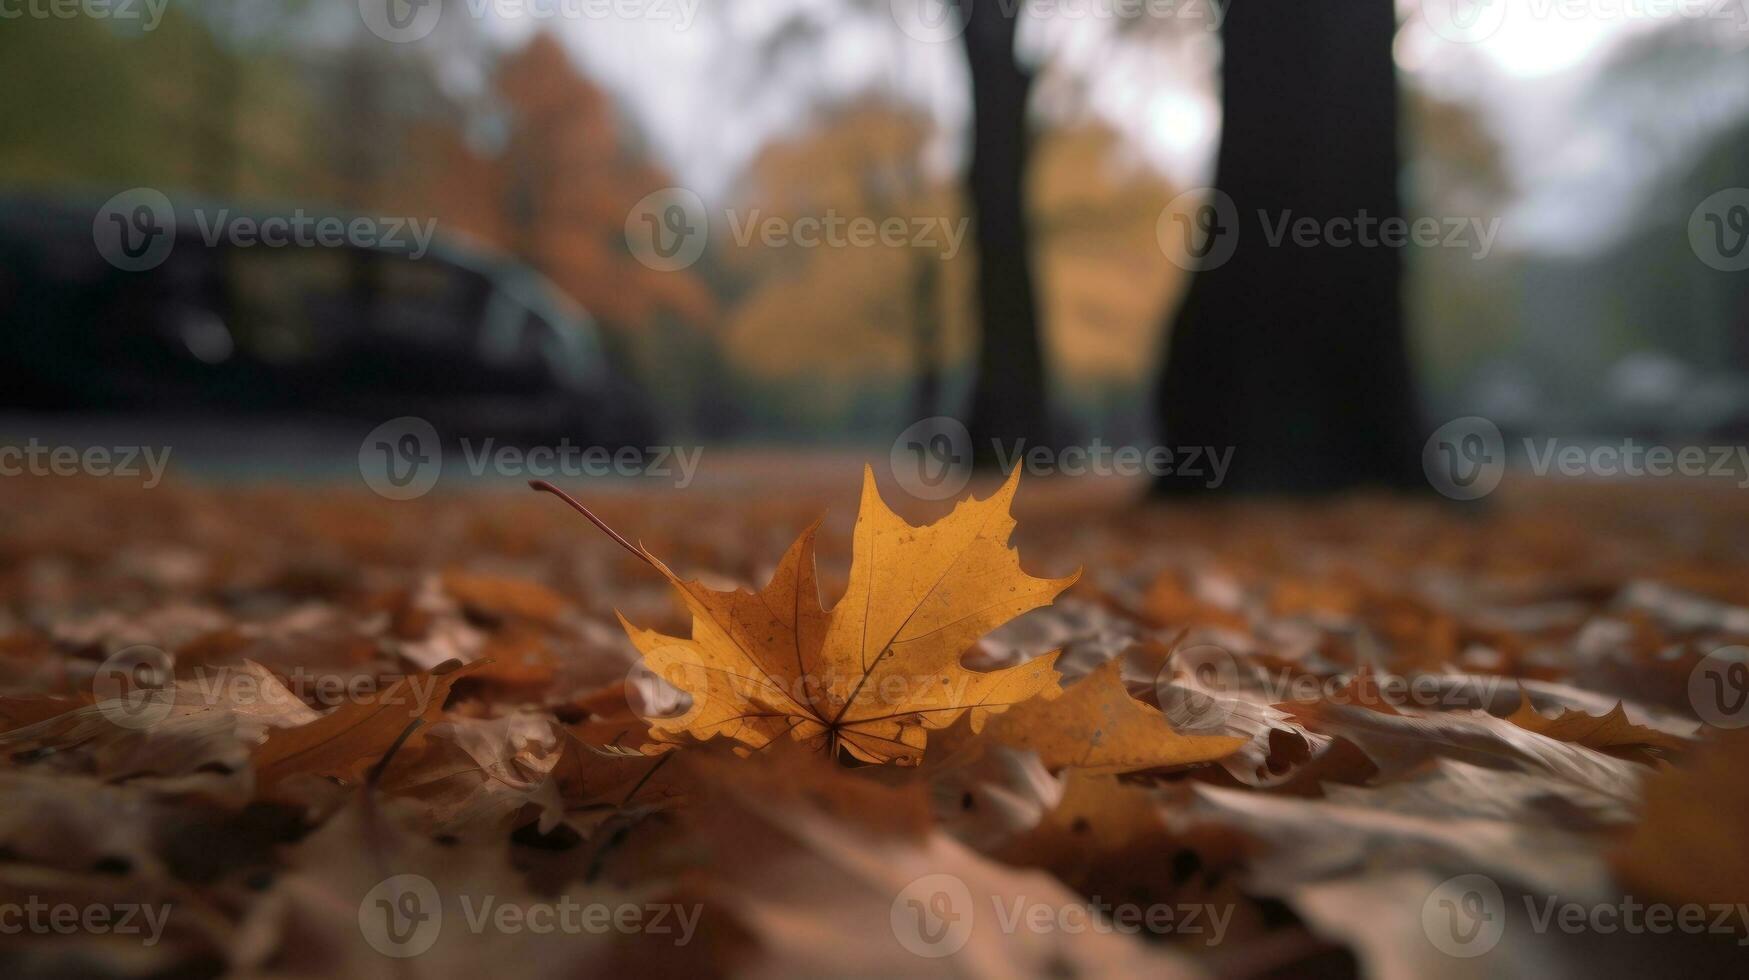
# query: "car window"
{"type": "Point", "coordinates": [308, 303]}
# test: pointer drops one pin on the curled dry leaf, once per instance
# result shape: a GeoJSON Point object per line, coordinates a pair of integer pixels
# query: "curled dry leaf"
{"type": "Point", "coordinates": [1401, 743]}
{"type": "Point", "coordinates": [1610, 733]}
{"type": "Point", "coordinates": [347, 741]}
{"type": "Point", "coordinates": [1096, 726]}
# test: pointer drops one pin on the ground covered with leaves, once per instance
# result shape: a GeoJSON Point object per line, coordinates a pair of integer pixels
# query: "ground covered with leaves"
{"type": "Point", "coordinates": [289, 731]}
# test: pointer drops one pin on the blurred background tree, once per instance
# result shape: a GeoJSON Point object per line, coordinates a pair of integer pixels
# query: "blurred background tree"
{"type": "Point", "coordinates": [535, 140]}
{"type": "Point", "coordinates": [1297, 356]}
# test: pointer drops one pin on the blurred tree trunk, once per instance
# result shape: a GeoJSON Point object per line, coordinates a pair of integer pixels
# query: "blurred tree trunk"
{"type": "Point", "coordinates": [1296, 356]}
{"type": "Point", "coordinates": [926, 337]}
{"type": "Point", "coordinates": [361, 121]}
{"type": "Point", "coordinates": [1009, 397]}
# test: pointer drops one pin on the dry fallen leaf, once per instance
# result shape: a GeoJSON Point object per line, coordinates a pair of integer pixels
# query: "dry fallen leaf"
{"type": "Point", "coordinates": [1095, 725]}
{"type": "Point", "coordinates": [840, 877]}
{"type": "Point", "coordinates": [353, 737]}
{"type": "Point", "coordinates": [1693, 843]}
{"type": "Point", "coordinates": [1612, 733]}
{"type": "Point", "coordinates": [879, 671]}
{"type": "Point", "coordinates": [1355, 800]}
{"type": "Point", "coordinates": [1402, 743]}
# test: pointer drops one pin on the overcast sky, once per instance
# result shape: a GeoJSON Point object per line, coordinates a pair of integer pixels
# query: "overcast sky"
{"type": "Point", "coordinates": [701, 86]}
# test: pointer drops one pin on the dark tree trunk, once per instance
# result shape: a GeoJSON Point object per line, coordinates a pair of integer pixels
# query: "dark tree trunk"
{"type": "Point", "coordinates": [926, 336]}
{"type": "Point", "coordinates": [1009, 398]}
{"type": "Point", "coordinates": [1295, 356]}
{"type": "Point", "coordinates": [362, 176]}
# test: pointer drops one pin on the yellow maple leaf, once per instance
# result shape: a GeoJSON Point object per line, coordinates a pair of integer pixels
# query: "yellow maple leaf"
{"type": "Point", "coordinates": [871, 677]}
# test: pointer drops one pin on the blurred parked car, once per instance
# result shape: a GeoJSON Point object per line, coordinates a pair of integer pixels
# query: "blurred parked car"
{"type": "Point", "coordinates": [477, 344]}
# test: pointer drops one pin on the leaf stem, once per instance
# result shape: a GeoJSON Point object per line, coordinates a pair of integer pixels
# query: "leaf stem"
{"type": "Point", "coordinates": [576, 505]}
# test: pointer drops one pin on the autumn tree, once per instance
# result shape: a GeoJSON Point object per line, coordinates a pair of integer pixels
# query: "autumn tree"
{"type": "Point", "coordinates": [555, 193]}
{"type": "Point", "coordinates": [837, 325]}
{"type": "Point", "coordinates": [570, 179]}
{"type": "Point", "coordinates": [1296, 355]}
{"type": "Point", "coordinates": [1010, 397]}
